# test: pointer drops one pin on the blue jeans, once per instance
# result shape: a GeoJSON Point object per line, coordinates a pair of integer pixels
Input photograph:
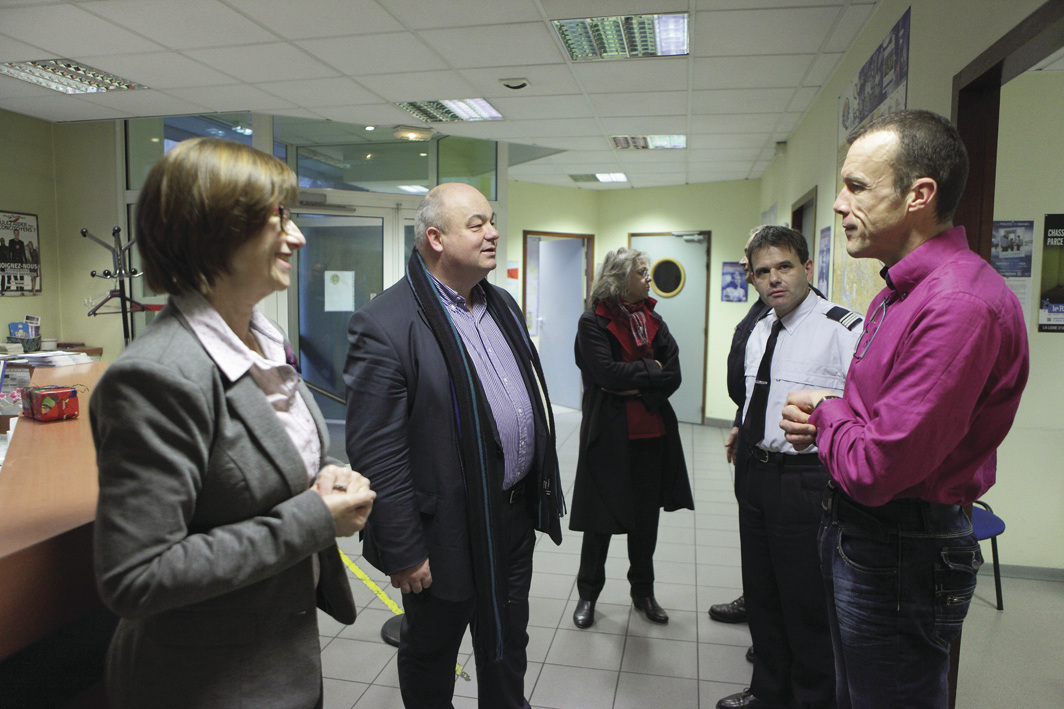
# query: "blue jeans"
{"type": "Point", "coordinates": [899, 580]}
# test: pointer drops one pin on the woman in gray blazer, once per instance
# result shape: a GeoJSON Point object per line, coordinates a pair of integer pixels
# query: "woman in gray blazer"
{"type": "Point", "coordinates": [218, 510]}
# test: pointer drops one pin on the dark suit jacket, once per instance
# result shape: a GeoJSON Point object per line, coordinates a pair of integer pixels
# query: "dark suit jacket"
{"type": "Point", "coordinates": [204, 534]}
{"type": "Point", "coordinates": [402, 434]}
{"type": "Point", "coordinates": [603, 495]}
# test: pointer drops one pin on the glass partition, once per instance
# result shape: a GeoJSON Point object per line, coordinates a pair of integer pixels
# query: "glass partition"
{"type": "Point", "coordinates": [468, 160]}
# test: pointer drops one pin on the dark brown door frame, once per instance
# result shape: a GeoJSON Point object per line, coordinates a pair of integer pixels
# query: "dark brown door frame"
{"type": "Point", "coordinates": [975, 112]}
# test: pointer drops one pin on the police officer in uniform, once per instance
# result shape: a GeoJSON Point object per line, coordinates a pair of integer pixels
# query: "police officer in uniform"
{"type": "Point", "coordinates": [803, 338]}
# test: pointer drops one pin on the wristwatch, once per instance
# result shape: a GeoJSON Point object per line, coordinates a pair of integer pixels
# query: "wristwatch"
{"type": "Point", "coordinates": [823, 399]}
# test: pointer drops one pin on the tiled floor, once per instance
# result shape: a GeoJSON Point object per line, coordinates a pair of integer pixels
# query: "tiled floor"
{"type": "Point", "coordinates": [1009, 659]}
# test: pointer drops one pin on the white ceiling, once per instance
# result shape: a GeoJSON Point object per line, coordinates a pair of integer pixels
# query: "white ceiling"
{"type": "Point", "coordinates": [754, 68]}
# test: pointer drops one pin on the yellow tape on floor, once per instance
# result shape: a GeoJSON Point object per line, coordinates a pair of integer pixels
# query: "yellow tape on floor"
{"type": "Point", "coordinates": [385, 599]}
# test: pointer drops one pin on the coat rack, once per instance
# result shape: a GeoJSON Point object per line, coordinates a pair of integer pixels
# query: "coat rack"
{"type": "Point", "coordinates": [120, 272]}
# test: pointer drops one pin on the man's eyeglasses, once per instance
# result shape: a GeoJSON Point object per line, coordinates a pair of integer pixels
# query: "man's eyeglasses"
{"type": "Point", "coordinates": [284, 215]}
{"type": "Point", "coordinates": [871, 328]}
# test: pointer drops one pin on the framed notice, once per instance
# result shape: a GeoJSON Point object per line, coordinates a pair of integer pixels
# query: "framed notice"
{"type": "Point", "coordinates": [20, 254]}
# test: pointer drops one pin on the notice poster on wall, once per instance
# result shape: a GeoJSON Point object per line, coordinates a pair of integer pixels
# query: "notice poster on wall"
{"type": "Point", "coordinates": [732, 282]}
{"type": "Point", "coordinates": [1011, 253]}
{"type": "Point", "coordinates": [880, 87]}
{"type": "Point", "coordinates": [20, 254]}
{"type": "Point", "coordinates": [823, 267]}
{"type": "Point", "coordinates": [1051, 299]}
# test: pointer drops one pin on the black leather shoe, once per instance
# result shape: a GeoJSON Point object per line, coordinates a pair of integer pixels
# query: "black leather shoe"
{"type": "Point", "coordinates": [750, 654]}
{"type": "Point", "coordinates": [650, 608]}
{"type": "Point", "coordinates": [734, 612]}
{"type": "Point", "coordinates": [742, 700]}
{"type": "Point", "coordinates": [584, 615]}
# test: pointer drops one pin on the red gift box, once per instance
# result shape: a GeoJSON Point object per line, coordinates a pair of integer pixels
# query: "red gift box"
{"type": "Point", "coordinates": [51, 403]}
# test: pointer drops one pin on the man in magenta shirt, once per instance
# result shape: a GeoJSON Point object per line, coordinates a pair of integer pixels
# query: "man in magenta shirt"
{"type": "Point", "coordinates": [932, 391]}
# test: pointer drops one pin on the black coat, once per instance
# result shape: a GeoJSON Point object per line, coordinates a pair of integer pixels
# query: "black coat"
{"type": "Point", "coordinates": [603, 497]}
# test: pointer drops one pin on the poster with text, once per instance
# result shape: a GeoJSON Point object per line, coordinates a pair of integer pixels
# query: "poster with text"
{"type": "Point", "coordinates": [732, 282]}
{"type": "Point", "coordinates": [1011, 253]}
{"type": "Point", "coordinates": [20, 254]}
{"type": "Point", "coordinates": [1051, 299]}
{"type": "Point", "coordinates": [823, 266]}
{"type": "Point", "coordinates": [880, 87]}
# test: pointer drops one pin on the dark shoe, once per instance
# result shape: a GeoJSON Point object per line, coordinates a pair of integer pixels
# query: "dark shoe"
{"type": "Point", "coordinates": [750, 654]}
{"type": "Point", "coordinates": [734, 612]}
{"type": "Point", "coordinates": [584, 615]}
{"type": "Point", "coordinates": [742, 700]}
{"type": "Point", "coordinates": [650, 608]}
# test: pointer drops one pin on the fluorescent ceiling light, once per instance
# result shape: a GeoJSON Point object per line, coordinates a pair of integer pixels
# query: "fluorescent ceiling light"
{"type": "Point", "coordinates": [414, 189]}
{"type": "Point", "coordinates": [67, 76]}
{"type": "Point", "coordinates": [624, 36]}
{"type": "Point", "coordinates": [452, 110]}
{"type": "Point", "coordinates": [413, 133]}
{"type": "Point", "coordinates": [611, 177]}
{"type": "Point", "coordinates": [649, 142]}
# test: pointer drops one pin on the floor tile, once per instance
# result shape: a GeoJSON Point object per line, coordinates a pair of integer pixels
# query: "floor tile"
{"type": "Point", "coordinates": [656, 656]}
{"type": "Point", "coordinates": [640, 691]}
{"type": "Point", "coordinates": [574, 688]}
{"type": "Point", "coordinates": [576, 648]}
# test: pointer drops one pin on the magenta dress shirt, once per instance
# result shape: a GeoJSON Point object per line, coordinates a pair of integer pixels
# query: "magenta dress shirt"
{"type": "Point", "coordinates": [935, 381]}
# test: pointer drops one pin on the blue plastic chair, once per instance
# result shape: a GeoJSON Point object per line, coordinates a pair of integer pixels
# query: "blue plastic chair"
{"type": "Point", "coordinates": [988, 525]}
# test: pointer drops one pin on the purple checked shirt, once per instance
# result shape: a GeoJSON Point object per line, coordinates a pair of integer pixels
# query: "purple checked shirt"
{"type": "Point", "coordinates": [935, 382]}
{"type": "Point", "coordinates": [499, 376]}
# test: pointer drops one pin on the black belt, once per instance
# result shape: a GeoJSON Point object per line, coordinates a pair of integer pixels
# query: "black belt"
{"type": "Point", "coordinates": [763, 456]}
{"type": "Point", "coordinates": [908, 514]}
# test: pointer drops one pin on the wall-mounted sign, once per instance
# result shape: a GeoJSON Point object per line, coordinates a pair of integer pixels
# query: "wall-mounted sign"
{"type": "Point", "coordinates": [20, 254]}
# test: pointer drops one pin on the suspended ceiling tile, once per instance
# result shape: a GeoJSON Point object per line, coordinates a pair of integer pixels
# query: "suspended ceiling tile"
{"type": "Point", "coordinates": [160, 70]}
{"type": "Point", "coordinates": [594, 142]}
{"type": "Point", "coordinates": [10, 87]}
{"type": "Point", "coordinates": [645, 125]}
{"type": "Point", "coordinates": [480, 47]}
{"type": "Point", "coordinates": [419, 86]}
{"type": "Point", "coordinates": [648, 180]}
{"type": "Point", "coordinates": [699, 156]}
{"type": "Point", "coordinates": [568, 9]}
{"type": "Point", "coordinates": [235, 97]}
{"type": "Point", "coordinates": [655, 168]}
{"type": "Point", "coordinates": [373, 114]}
{"type": "Point", "coordinates": [821, 70]}
{"type": "Point", "coordinates": [544, 107]}
{"type": "Point", "coordinates": [193, 23]}
{"type": "Point", "coordinates": [631, 75]}
{"type": "Point", "coordinates": [60, 108]}
{"type": "Point", "coordinates": [853, 19]}
{"type": "Point", "coordinates": [66, 31]}
{"type": "Point", "coordinates": [321, 18]}
{"type": "Point", "coordinates": [559, 127]}
{"type": "Point", "coordinates": [655, 103]}
{"type": "Point", "coordinates": [734, 123]}
{"type": "Point", "coordinates": [740, 100]}
{"type": "Point", "coordinates": [545, 80]}
{"type": "Point", "coordinates": [12, 50]}
{"type": "Point", "coordinates": [418, 14]}
{"type": "Point", "coordinates": [784, 31]}
{"type": "Point", "coordinates": [336, 91]}
{"type": "Point", "coordinates": [803, 98]}
{"type": "Point", "coordinates": [392, 53]}
{"type": "Point", "coordinates": [277, 61]}
{"type": "Point", "coordinates": [720, 141]}
{"type": "Point", "coordinates": [145, 103]}
{"type": "Point", "coordinates": [753, 72]}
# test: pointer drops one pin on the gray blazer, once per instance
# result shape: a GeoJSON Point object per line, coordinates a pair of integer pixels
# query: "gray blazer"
{"type": "Point", "coordinates": [204, 534]}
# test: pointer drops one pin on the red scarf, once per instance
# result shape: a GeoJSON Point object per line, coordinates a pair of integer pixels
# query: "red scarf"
{"type": "Point", "coordinates": [635, 326]}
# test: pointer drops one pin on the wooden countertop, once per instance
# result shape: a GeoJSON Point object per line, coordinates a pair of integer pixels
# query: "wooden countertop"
{"type": "Point", "coordinates": [48, 483]}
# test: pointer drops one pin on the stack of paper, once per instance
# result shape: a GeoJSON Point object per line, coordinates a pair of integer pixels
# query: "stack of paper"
{"type": "Point", "coordinates": [10, 348]}
{"type": "Point", "coordinates": [56, 359]}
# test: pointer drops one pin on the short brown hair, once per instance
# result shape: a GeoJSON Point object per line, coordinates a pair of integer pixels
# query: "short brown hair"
{"type": "Point", "coordinates": [201, 202]}
{"type": "Point", "coordinates": [928, 146]}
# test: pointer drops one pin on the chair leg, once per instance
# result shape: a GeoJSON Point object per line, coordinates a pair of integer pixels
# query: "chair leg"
{"type": "Point", "coordinates": [997, 573]}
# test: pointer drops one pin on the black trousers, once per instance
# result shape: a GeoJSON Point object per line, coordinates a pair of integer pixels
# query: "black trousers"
{"type": "Point", "coordinates": [786, 605]}
{"type": "Point", "coordinates": [433, 629]}
{"type": "Point", "coordinates": [645, 455]}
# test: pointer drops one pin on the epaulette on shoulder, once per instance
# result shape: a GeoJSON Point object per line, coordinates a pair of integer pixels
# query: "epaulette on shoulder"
{"type": "Point", "coordinates": [847, 318]}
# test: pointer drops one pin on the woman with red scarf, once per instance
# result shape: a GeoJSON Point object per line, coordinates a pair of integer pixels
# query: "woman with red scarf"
{"type": "Point", "coordinates": [631, 463]}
